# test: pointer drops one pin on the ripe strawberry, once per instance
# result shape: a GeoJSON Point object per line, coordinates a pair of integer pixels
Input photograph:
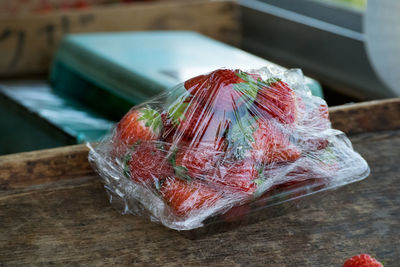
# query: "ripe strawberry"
{"type": "Point", "coordinates": [184, 196]}
{"type": "Point", "coordinates": [147, 164]}
{"type": "Point", "coordinates": [363, 260]}
{"type": "Point", "coordinates": [168, 134]}
{"type": "Point", "coordinates": [196, 84]}
{"type": "Point", "coordinates": [276, 99]}
{"type": "Point", "coordinates": [223, 89]}
{"type": "Point", "coordinates": [309, 135]}
{"type": "Point", "coordinates": [237, 176]}
{"type": "Point", "coordinates": [271, 145]}
{"type": "Point", "coordinates": [137, 125]}
{"type": "Point", "coordinates": [81, 4]}
{"type": "Point", "coordinates": [196, 162]}
{"type": "Point", "coordinates": [200, 125]}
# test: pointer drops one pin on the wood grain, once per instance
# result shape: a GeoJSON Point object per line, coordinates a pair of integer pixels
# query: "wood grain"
{"type": "Point", "coordinates": [37, 167]}
{"type": "Point", "coordinates": [366, 116]}
{"type": "Point", "coordinates": [28, 42]}
{"type": "Point", "coordinates": [73, 224]}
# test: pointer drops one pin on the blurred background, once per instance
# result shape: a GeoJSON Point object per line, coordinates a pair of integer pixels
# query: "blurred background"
{"type": "Point", "coordinates": [61, 84]}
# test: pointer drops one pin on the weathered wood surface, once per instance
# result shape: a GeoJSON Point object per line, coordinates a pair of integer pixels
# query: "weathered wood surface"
{"type": "Point", "coordinates": [37, 167]}
{"type": "Point", "coordinates": [367, 116]}
{"type": "Point", "coordinates": [69, 221]}
{"type": "Point", "coordinates": [27, 43]}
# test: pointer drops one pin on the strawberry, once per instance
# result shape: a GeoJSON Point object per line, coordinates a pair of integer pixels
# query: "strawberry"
{"type": "Point", "coordinates": [137, 125]}
{"type": "Point", "coordinates": [237, 176]}
{"type": "Point", "coordinates": [197, 124]}
{"type": "Point", "coordinates": [184, 196]}
{"type": "Point", "coordinates": [81, 4]}
{"type": "Point", "coordinates": [146, 164]}
{"type": "Point", "coordinates": [195, 162]}
{"type": "Point", "coordinates": [277, 100]}
{"type": "Point", "coordinates": [309, 135]}
{"type": "Point", "coordinates": [168, 134]}
{"type": "Point", "coordinates": [363, 260]}
{"type": "Point", "coordinates": [262, 141]}
{"type": "Point", "coordinates": [276, 146]}
{"type": "Point", "coordinates": [223, 90]}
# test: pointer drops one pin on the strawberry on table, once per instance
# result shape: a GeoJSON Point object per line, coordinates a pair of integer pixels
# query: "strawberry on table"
{"type": "Point", "coordinates": [363, 260]}
{"type": "Point", "coordinates": [147, 164]}
{"type": "Point", "coordinates": [137, 125]}
{"type": "Point", "coordinates": [185, 197]}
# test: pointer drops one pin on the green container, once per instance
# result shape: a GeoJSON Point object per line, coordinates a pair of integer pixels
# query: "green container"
{"type": "Point", "coordinates": [113, 71]}
{"type": "Point", "coordinates": [33, 117]}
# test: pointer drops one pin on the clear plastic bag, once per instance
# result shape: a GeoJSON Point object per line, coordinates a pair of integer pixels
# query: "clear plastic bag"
{"type": "Point", "coordinates": [221, 140]}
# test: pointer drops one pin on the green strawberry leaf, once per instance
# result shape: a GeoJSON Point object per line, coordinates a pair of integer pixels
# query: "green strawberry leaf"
{"type": "Point", "coordinates": [177, 111]}
{"type": "Point", "coordinates": [181, 172]}
{"type": "Point", "coordinates": [172, 157]}
{"type": "Point", "coordinates": [258, 181]}
{"type": "Point", "coordinates": [248, 89]}
{"type": "Point", "coordinates": [272, 80]}
{"type": "Point", "coordinates": [240, 136]}
{"type": "Point", "coordinates": [151, 118]}
{"type": "Point", "coordinates": [127, 171]}
{"type": "Point", "coordinates": [328, 156]}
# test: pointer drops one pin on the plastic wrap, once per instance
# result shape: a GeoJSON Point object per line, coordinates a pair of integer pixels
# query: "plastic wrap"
{"type": "Point", "coordinates": [221, 140]}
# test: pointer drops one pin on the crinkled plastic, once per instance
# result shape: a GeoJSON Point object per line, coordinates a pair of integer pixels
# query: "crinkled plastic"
{"type": "Point", "coordinates": [221, 140]}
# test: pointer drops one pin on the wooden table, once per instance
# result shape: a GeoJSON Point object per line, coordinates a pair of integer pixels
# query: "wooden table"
{"type": "Point", "coordinates": [54, 210]}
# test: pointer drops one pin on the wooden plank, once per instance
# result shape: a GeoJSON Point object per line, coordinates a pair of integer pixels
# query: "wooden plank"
{"type": "Point", "coordinates": [27, 43]}
{"type": "Point", "coordinates": [74, 224]}
{"type": "Point", "coordinates": [366, 116]}
{"type": "Point", "coordinates": [37, 167]}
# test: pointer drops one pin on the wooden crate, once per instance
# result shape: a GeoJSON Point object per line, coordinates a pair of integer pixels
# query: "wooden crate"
{"type": "Point", "coordinates": [54, 211]}
{"type": "Point", "coordinates": [28, 42]}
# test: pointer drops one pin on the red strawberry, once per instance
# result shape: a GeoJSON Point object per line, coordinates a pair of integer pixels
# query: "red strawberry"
{"type": "Point", "coordinates": [195, 162]}
{"type": "Point", "coordinates": [81, 4]}
{"type": "Point", "coordinates": [148, 164]}
{"type": "Point", "coordinates": [271, 145]}
{"type": "Point", "coordinates": [137, 125]}
{"type": "Point", "coordinates": [185, 197]}
{"type": "Point", "coordinates": [317, 119]}
{"type": "Point", "coordinates": [223, 89]}
{"type": "Point", "coordinates": [196, 84]}
{"type": "Point", "coordinates": [363, 260]}
{"type": "Point", "coordinates": [237, 176]}
{"type": "Point", "coordinates": [200, 125]}
{"type": "Point", "coordinates": [277, 100]}
{"type": "Point", "coordinates": [309, 135]}
{"type": "Point", "coordinates": [168, 126]}
{"type": "Point", "coordinates": [168, 134]}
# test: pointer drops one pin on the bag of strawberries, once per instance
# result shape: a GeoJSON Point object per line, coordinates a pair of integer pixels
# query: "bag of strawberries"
{"type": "Point", "coordinates": [221, 140]}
